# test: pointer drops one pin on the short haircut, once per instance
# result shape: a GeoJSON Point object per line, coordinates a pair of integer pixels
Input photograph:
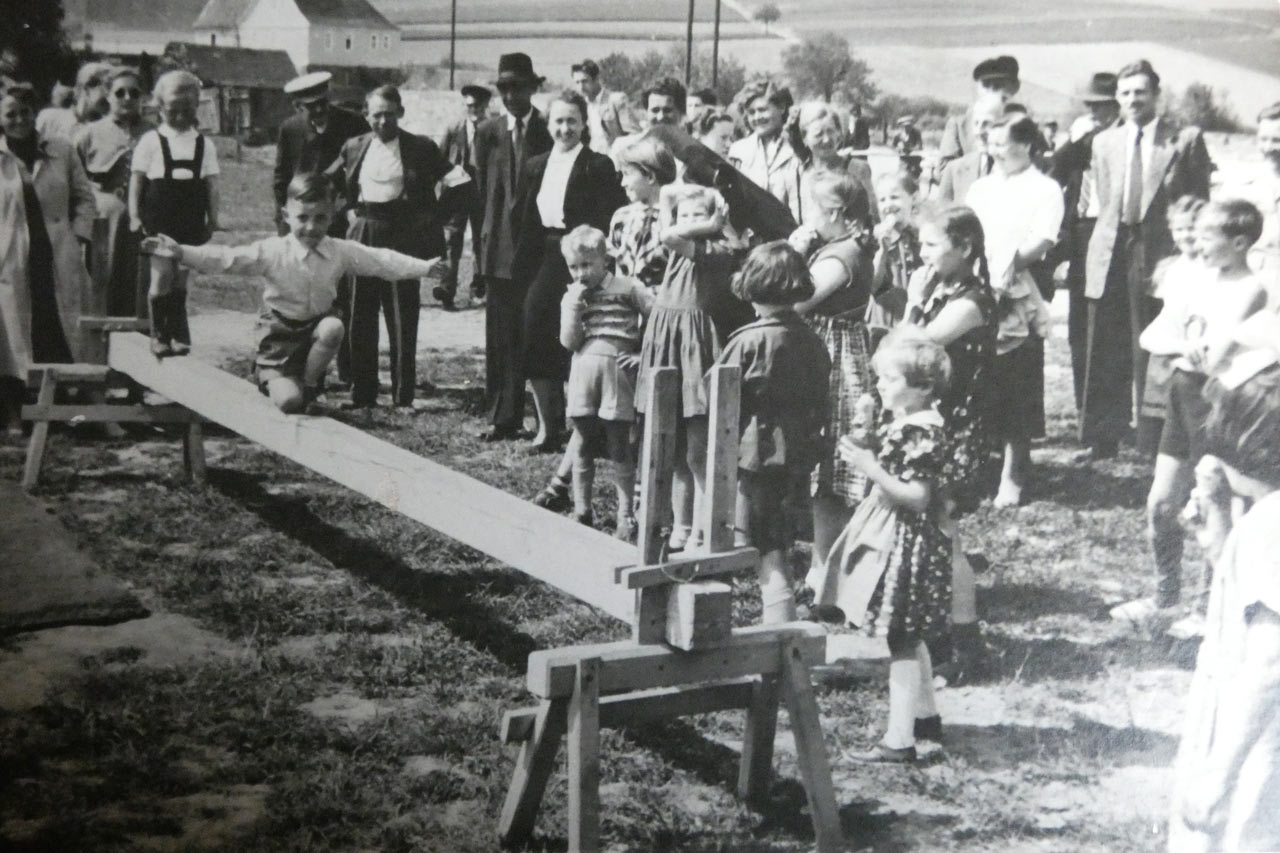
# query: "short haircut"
{"type": "Point", "coordinates": [574, 99]}
{"type": "Point", "coordinates": [899, 178]}
{"type": "Point", "coordinates": [674, 195]}
{"type": "Point", "coordinates": [773, 274]}
{"type": "Point", "coordinates": [22, 92]}
{"type": "Point", "coordinates": [668, 87]}
{"type": "Point", "coordinates": [811, 112]}
{"type": "Point", "coordinates": [839, 191]}
{"type": "Point", "coordinates": [173, 82]}
{"type": "Point", "coordinates": [651, 156]}
{"type": "Point", "coordinates": [1187, 205]}
{"type": "Point", "coordinates": [921, 360]}
{"type": "Point", "coordinates": [1022, 129]}
{"type": "Point", "coordinates": [1238, 218]}
{"type": "Point", "coordinates": [708, 97]}
{"type": "Point", "coordinates": [779, 96]}
{"type": "Point", "coordinates": [1243, 428]}
{"type": "Point", "coordinates": [310, 188]}
{"type": "Point", "coordinates": [587, 67]}
{"type": "Point", "coordinates": [122, 71]}
{"type": "Point", "coordinates": [711, 118]}
{"type": "Point", "coordinates": [388, 93]}
{"type": "Point", "coordinates": [91, 73]}
{"type": "Point", "coordinates": [1140, 67]}
{"type": "Point", "coordinates": [583, 239]}
{"type": "Point", "coordinates": [1271, 113]}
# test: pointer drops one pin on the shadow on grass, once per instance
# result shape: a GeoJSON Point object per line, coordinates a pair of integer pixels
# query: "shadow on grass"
{"type": "Point", "coordinates": [991, 748]}
{"type": "Point", "coordinates": [1036, 660]}
{"type": "Point", "coordinates": [1016, 602]}
{"type": "Point", "coordinates": [1086, 487]}
{"type": "Point", "coordinates": [446, 598]}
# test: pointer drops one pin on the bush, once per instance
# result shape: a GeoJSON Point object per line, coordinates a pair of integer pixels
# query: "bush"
{"type": "Point", "coordinates": [930, 112]}
{"type": "Point", "coordinates": [1207, 109]}
{"type": "Point", "coordinates": [623, 72]}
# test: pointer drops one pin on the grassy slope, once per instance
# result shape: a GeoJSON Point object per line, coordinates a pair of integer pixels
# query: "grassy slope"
{"type": "Point", "coordinates": [372, 660]}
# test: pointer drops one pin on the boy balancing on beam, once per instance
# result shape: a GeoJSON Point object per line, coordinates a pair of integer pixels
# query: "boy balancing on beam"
{"type": "Point", "coordinates": [300, 326]}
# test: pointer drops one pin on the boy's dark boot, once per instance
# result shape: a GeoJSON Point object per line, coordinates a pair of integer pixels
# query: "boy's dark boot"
{"type": "Point", "coordinates": [160, 333]}
{"type": "Point", "coordinates": [179, 330]}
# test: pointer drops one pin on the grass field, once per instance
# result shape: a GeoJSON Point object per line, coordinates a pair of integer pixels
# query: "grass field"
{"type": "Point", "coordinates": [322, 674]}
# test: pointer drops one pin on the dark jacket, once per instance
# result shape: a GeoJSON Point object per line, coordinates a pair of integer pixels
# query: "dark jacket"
{"type": "Point", "coordinates": [454, 145]}
{"type": "Point", "coordinates": [593, 194]}
{"type": "Point", "coordinates": [300, 149]}
{"type": "Point", "coordinates": [498, 191]}
{"type": "Point", "coordinates": [424, 166]}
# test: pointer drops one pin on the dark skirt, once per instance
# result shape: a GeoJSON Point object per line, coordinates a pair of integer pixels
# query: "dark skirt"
{"type": "Point", "coordinates": [1016, 386]}
{"type": "Point", "coordinates": [543, 356]}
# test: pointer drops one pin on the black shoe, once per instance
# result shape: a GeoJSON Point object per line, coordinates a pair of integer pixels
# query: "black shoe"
{"type": "Point", "coordinates": [555, 497]}
{"type": "Point", "coordinates": [499, 433]}
{"type": "Point", "coordinates": [444, 296]}
{"type": "Point", "coordinates": [1097, 452]}
{"type": "Point", "coordinates": [588, 518]}
{"type": "Point", "coordinates": [929, 728]}
{"type": "Point", "coordinates": [478, 288]}
{"type": "Point", "coordinates": [178, 326]}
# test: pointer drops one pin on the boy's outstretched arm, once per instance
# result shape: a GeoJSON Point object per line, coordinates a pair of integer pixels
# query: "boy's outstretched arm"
{"type": "Point", "coordinates": [383, 263]}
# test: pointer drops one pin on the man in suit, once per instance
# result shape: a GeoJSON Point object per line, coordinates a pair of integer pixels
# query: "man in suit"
{"type": "Point", "coordinates": [503, 144]}
{"type": "Point", "coordinates": [608, 113]}
{"type": "Point", "coordinates": [1070, 168]}
{"type": "Point", "coordinates": [1139, 167]}
{"type": "Point", "coordinates": [459, 147]}
{"type": "Point", "coordinates": [959, 174]}
{"type": "Point", "coordinates": [388, 181]}
{"type": "Point", "coordinates": [995, 77]}
{"type": "Point", "coordinates": [310, 141]}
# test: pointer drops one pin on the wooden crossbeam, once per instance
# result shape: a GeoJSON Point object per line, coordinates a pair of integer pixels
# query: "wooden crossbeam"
{"type": "Point", "coordinates": [626, 666]}
{"type": "Point", "coordinates": [549, 547]}
{"type": "Point", "coordinates": [683, 569]}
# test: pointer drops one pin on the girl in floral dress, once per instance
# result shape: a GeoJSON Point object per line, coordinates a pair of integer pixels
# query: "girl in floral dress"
{"type": "Point", "coordinates": [890, 570]}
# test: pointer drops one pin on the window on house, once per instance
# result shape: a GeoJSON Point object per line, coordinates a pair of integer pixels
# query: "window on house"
{"type": "Point", "coordinates": [213, 39]}
{"type": "Point", "coordinates": [348, 42]}
{"type": "Point", "coordinates": [386, 42]}
{"type": "Point", "coordinates": [373, 42]}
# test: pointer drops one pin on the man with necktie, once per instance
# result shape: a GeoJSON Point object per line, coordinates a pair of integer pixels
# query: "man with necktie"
{"type": "Point", "coordinates": [459, 145]}
{"type": "Point", "coordinates": [959, 174]}
{"type": "Point", "coordinates": [503, 145]}
{"type": "Point", "coordinates": [1140, 167]}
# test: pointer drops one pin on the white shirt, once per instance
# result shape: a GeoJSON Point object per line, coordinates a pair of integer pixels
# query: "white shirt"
{"type": "Point", "coordinates": [148, 158]}
{"type": "Point", "coordinates": [1016, 210]}
{"type": "Point", "coordinates": [302, 283]}
{"type": "Point", "coordinates": [1199, 308]}
{"type": "Point", "coordinates": [382, 172]}
{"type": "Point", "coordinates": [555, 180]}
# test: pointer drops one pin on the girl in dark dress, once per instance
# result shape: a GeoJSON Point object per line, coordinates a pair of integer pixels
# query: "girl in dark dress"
{"type": "Point", "coordinates": [570, 185]}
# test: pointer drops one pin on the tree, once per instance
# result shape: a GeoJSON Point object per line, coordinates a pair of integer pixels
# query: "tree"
{"type": "Point", "coordinates": [767, 14]}
{"type": "Point", "coordinates": [35, 44]}
{"type": "Point", "coordinates": [824, 66]}
{"type": "Point", "coordinates": [1207, 109]}
{"type": "Point", "coordinates": [625, 73]}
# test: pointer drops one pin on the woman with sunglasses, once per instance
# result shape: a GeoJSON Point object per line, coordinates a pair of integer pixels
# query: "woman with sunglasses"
{"type": "Point", "coordinates": [105, 147]}
{"type": "Point", "coordinates": [65, 198]}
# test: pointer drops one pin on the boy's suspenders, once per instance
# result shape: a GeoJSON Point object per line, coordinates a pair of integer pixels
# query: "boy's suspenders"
{"type": "Point", "coordinates": [193, 164]}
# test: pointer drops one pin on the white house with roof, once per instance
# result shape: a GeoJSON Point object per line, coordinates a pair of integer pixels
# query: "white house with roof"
{"type": "Point", "coordinates": [312, 32]}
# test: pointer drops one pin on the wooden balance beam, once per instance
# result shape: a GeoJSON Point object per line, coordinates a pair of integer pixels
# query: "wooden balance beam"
{"type": "Point", "coordinates": [554, 549]}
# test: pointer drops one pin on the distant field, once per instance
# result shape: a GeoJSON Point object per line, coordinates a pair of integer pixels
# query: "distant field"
{"type": "Point", "coordinates": [514, 12]}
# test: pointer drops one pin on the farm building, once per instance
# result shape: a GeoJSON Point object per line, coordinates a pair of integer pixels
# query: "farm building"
{"type": "Point", "coordinates": [129, 27]}
{"type": "Point", "coordinates": [328, 33]}
{"type": "Point", "coordinates": [243, 86]}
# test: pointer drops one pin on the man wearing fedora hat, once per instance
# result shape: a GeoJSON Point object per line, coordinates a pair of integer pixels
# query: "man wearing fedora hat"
{"type": "Point", "coordinates": [310, 141]}
{"type": "Point", "coordinates": [503, 145]}
{"type": "Point", "coordinates": [459, 146]}
{"type": "Point", "coordinates": [997, 76]}
{"type": "Point", "coordinates": [1070, 168]}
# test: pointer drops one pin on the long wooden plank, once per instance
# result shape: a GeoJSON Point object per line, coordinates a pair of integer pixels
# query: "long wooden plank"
{"type": "Point", "coordinates": [625, 666]}
{"type": "Point", "coordinates": [549, 547]}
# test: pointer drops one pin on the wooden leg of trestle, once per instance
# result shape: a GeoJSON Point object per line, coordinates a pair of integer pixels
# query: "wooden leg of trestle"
{"type": "Point", "coordinates": [584, 759]}
{"type": "Point", "coordinates": [193, 453]}
{"type": "Point", "coordinates": [39, 432]}
{"type": "Point", "coordinates": [811, 754]}
{"type": "Point", "coordinates": [757, 743]}
{"type": "Point", "coordinates": [534, 765]}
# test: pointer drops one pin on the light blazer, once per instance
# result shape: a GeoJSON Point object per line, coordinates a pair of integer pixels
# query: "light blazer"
{"type": "Point", "coordinates": [958, 175]}
{"type": "Point", "coordinates": [957, 137]}
{"type": "Point", "coordinates": [590, 198]}
{"type": "Point", "coordinates": [493, 179]}
{"type": "Point", "coordinates": [424, 166]}
{"type": "Point", "coordinates": [1180, 165]}
{"type": "Point", "coordinates": [616, 118]}
{"type": "Point", "coordinates": [781, 177]}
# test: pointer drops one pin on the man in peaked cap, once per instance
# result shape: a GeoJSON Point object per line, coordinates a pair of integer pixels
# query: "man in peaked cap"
{"type": "Point", "coordinates": [995, 76]}
{"type": "Point", "coordinates": [1070, 168]}
{"type": "Point", "coordinates": [311, 141]}
{"type": "Point", "coordinates": [459, 145]}
{"type": "Point", "coordinates": [503, 146]}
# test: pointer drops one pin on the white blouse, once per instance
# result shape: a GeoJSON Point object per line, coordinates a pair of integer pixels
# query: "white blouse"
{"type": "Point", "coordinates": [555, 180]}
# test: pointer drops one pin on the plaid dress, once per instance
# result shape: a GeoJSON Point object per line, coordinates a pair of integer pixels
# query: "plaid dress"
{"type": "Point", "coordinates": [634, 244]}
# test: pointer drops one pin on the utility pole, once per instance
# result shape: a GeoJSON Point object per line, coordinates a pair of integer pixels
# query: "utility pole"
{"type": "Point", "coordinates": [453, 40]}
{"type": "Point", "coordinates": [715, 50]}
{"type": "Point", "coordinates": [688, 49]}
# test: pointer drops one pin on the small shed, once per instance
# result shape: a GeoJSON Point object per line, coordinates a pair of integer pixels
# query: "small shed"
{"type": "Point", "coordinates": [244, 87]}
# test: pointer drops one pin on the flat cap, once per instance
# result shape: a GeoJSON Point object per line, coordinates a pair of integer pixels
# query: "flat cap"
{"type": "Point", "coordinates": [997, 67]}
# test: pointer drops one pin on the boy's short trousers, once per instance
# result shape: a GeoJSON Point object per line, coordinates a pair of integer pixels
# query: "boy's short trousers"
{"type": "Point", "coordinates": [606, 439]}
{"type": "Point", "coordinates": [766, 501]}
{"type": "Point", "coordinates": [1187, 413]}
{"type": "Point", "coordinates": [598, 386]}
{"type": "Point", "coordinates": [283, 346]}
